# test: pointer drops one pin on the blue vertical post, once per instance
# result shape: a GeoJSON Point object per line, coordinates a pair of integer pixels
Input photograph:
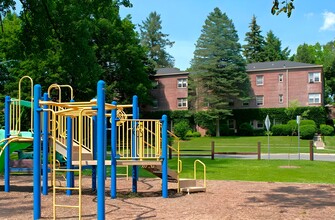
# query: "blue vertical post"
{"type": "Point", "coordinates": [100, 151]}
{"type": "Point", "coordinates": [7, 152]}
{"type": "Point", "coordinates": [94, 167]}
{"type": "Point", "coordinates": [37, 153]}
{"type": "Point", "coordinates": [164, 157]}
{"type": "Point", "coordinates": [113, 152]}
{"type": "Point", "coordinates": [134, 142]}
{"type": "Point", "coordinates": [69, 143]}
{"type": "Point", "coordinates": [45, 146]}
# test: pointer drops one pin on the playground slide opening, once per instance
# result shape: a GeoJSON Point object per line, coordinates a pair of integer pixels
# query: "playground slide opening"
{"type": "Point", "coordinates": [14, 146]}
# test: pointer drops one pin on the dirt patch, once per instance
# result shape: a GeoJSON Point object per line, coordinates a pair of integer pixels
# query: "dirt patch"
{"type": "Point", "coordinates": [223, 200]}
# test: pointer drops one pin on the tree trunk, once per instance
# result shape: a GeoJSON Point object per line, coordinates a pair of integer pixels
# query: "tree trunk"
{"type": "Point", "coordinates": [217, 127]}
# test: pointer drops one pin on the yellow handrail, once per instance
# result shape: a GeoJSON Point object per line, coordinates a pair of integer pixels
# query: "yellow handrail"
{"type": "Point", "coordinates": [31, 100]}
{"type": "Point", "coordinates": [195, 170]}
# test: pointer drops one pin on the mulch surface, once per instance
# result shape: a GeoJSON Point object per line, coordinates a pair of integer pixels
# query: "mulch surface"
{"type": "Point", "coordinates": [223, 200]}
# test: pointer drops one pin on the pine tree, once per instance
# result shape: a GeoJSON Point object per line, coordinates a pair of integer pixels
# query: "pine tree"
{"type": "Point", "coordinates": [254, 49]}
{"type": "Point", "coordinates": [155, 41]}
{"type": "Point", "coordinates": [219, 68]}
{"type": "Point", "coordinates": [273, 51]}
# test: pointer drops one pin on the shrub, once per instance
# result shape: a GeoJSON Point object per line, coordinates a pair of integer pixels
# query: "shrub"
{"type": "Point", "coordinates": [193, 134]}
{"type": "Point", "coordinates": [180, 129]}
{"type": "Point", "coordinates": [281, 130]}
{"type": "Point", "coordinates": [307, 131]}
{"type": "Point", "coordinates": [326, 130]}
{"type": "Point", "coordinates": [245, 129]}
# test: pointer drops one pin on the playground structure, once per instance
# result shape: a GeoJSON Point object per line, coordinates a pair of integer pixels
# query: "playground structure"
{"type": "Point", "coordinates": [78, 131]}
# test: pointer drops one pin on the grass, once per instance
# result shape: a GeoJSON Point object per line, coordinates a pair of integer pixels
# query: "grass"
{"type": "Point", "coordinates": [278, 144]}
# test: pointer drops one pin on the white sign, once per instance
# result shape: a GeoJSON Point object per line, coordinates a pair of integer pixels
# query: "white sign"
{"type": "Point", "coordinates": [298, 119]}
{"type": "Point", "coordinates": [267, 123]}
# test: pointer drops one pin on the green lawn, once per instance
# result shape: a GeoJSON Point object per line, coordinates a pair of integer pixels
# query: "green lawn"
{"type": "Point", "coordinates": [278, 144]}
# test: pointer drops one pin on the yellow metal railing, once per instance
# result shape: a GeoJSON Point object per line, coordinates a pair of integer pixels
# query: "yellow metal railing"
{"type": "Point", "coordinates": [147, 139]}
{"type": "Point", "coordinates": [179, 161]}
{"type": "Point", "coordinates": [195, 171]}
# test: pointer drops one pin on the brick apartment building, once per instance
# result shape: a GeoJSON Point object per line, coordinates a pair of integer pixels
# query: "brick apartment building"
{"type": "Point", "coordinates": [170, 90]}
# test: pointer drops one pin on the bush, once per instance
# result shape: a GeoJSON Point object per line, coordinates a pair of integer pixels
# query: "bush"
{"type": "Point", "coordinates": [193, 134]}
{"type": "Point", "coordinates": [281, 130]}
{"type": "Point", "coordinates": [307, 131]}
{"type": "Point", "coordinates": [180, 129]}
{"type": "Point", "coordinates": [246, 129]}
{"type": "Point", "coordinates": [326, 130]}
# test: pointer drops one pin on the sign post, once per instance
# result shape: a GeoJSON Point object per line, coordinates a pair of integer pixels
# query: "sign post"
{"type": "Point", "coordinates": [298, 122]}
{"type": "Point", "coordinates": [267, 125]}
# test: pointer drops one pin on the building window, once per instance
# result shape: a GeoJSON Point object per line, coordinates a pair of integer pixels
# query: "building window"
{"type": "Point", "coordinates": [245, 103]}
{"type": "Point", "coordinates": [155, 103]}
{"type": "Point", "coordinates": [259, 80]}
{"type": "Point", "coordinates": [182, 102]}
{"type": "Point", "coordinates": [280, 77]}
{"type": "Point", "coordinates": [155, 84]}
{"type": "Point", "coordinates": [231, 124]}
{"type": "Point", "coordinates": [231, 102]}
{"type": "Point", "coordinates": [314, 98]}
{"type": "Point", "coordinates": [281, 98]}
{"type": "Point", "coordinates": [259, 100]}
{"type": "Point", "coordinates": [259, 124]}
{"type": "Point", "coordinates": [182, 83]}
{"type": "Point", "coordinates": [314, 77]}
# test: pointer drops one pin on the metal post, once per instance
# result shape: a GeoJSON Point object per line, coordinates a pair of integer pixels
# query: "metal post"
{"type": "Point", "coordinates": [45, 146]}
{"type": "Point", "coordinates": [7, 151]}
{"type": "Point", "coordinates": [37, 153]}
{"type": "Point", "coordinates": [134, 147]}
{"type": "Point", "coordinates": [69, 143]}
{"type": "Point", "coordinates": [311, 151]}
{"type": "Point", "coordinates": [113, 152]}
{"type": "Point", "coordinates": [164, 157]}
{"type": "Point", "coordinates": [259, 150]}
{"type": "Point", "coordinates": [100, 151]}
{"type": "Point", "coordinates": [170, 153]}
{"type": "Point", "coordinates": [212, 150]}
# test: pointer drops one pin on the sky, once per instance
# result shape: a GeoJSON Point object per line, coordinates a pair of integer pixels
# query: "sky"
{"type": "Point", "coordinates": [311, 21]}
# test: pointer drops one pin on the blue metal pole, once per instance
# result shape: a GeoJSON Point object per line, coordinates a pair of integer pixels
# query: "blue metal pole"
{"type": "Point", "coordinates": [45, 146]}
{"type": "Point", "coordinates": [113, 152]}
{"type": "Point", "coordinates": [164, 157]}
{"type": "Point", "coordinates": [134, 141]}
{"type": "Point", "coordinates": [94, 167]}
{"type": "Point", "coordinates": [69, 143]}
{"type": "Point", "coordinates": [100, 151]}
{"type": "Point", "coordinates": [37, 153]}
{"type": "Point", "coordinates": [7, 152]}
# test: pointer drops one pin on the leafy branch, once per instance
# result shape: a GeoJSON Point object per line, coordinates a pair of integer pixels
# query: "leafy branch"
{"type": "Point", "coordinates": [285, 7]}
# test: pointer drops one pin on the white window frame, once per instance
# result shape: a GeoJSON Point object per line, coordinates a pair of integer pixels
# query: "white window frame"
{"type": "Point", "coordinates": [258, 97]}
{"type": "Point", "coordinates": [281, 98]}
{"type": "Point", "coordinates": [314, 98]}
{"type": "Point", "coordinates": [155, 103]}
{"type": "Point", "coordinates": [281, 77]}
{"type": "Point", "coordinates": [314, 77]}
{"type": "Point", "coordinates": [245, 103]}
{"type": "Point", "coordinates": [182, 83]}
{"type": "Point", "coordinates": [259, 80]}
{"type": "Point", "coordinates": [182, 102]}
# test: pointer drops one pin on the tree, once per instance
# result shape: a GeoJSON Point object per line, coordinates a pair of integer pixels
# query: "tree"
{"type": "Point", "coordinates": [254, 49]}
{"type": "Point", "coordinates": [272, 48]}
{"type": "Point", "coordinates": [155, 41]}
{"type": "Point", "coordinates": [219, 69]}
{"type": "Point", "coordinates": [67, 42]}
{"type": "Point", "coordinates": [305, 54]}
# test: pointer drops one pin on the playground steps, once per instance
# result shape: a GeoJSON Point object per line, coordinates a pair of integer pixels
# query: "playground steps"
{"type": "Point", "coordinates": [62, 149]}
{"type": "Point", "coordinates": [157, 171]}
{"type": "Point", "coordinates": [190, 185]}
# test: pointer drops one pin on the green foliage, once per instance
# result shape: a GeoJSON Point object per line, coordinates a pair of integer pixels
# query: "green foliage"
{"type": "Point", "coordinates": [307, 131]}
{"type": "Point", "coordinates": [245, 129]}
{"type": "Point", "coordinates": [253, 51]}
{"type": "Point", "coordinates": [180, 129]}
{"type": "Point", "coordinates": [272, 48]}
{"type": "Point", "coordinates": [282, 7]}
{"type": "Point", "coordinates": [281, 130]}
{"type": "Point", "coordinates": [193, 134]}
{"type": "Point", "coordinates": [155, 41]}
{"type": "Point", "coordinates": [326, 130]}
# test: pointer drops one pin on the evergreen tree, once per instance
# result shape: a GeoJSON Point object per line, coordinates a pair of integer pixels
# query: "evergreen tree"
{"type": "Point", "coordinates": [219, 69]}
{"type": "Point", "coordinates": [254, 49]}
{"type": "Point", "coordinates": [155, 41]}
{"type": "Point", "coordinates": [305, 54]}
{"type": "Point", "coordinates": [273, 51]}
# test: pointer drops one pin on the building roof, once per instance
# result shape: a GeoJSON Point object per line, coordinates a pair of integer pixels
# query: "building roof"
{"type": "Point", "coordinates": [169, 72]}
{"type": "Point", "coordinates": [275, 65]}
